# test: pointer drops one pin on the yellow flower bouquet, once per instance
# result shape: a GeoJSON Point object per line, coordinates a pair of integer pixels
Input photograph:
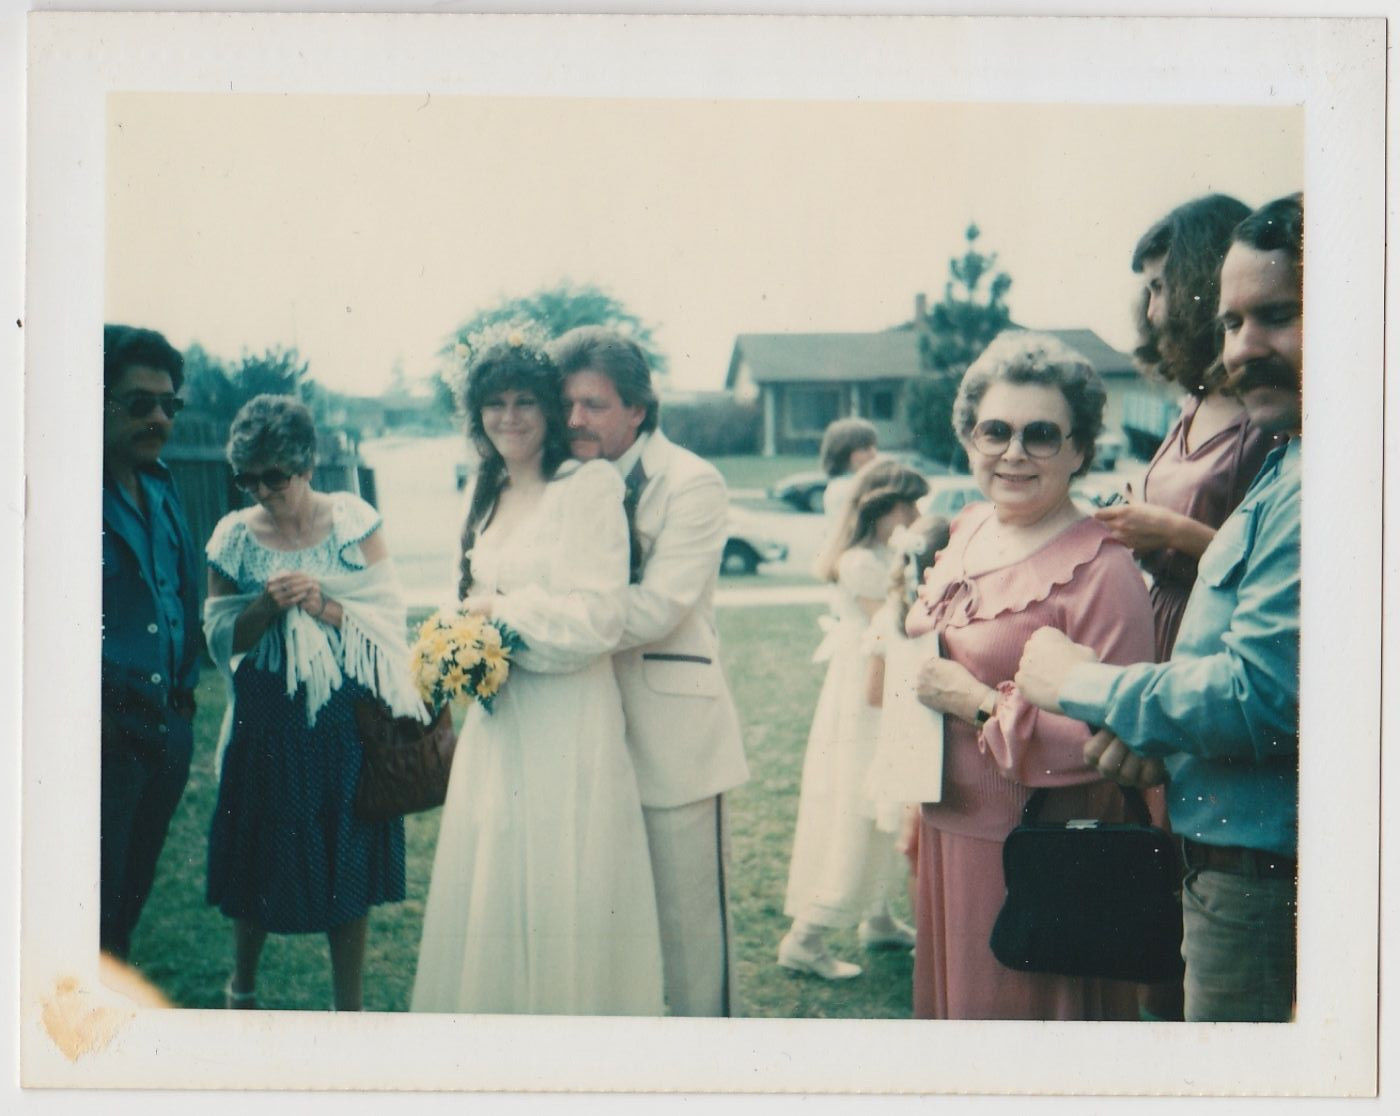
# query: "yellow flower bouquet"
{"type": "Point", "coordinates": [462, 657]}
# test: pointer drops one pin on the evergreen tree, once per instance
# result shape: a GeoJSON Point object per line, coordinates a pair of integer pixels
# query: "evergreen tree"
{"type": "Point", "coordinates": [955, 330]}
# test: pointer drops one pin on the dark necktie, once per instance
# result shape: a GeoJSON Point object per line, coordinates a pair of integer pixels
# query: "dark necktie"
{"type": "Point", "coordinates": [635, 482]}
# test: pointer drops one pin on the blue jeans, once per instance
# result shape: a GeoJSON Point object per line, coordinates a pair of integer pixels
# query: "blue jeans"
{"type": "Point", "coordinates": [1240, 943]}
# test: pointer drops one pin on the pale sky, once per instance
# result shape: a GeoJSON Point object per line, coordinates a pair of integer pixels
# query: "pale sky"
{"type": "Point", "coordinates": [362, 229]}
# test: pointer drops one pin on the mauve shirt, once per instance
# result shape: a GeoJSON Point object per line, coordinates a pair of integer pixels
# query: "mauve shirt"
{"type": "Point", "coordinates": [1207, 484]}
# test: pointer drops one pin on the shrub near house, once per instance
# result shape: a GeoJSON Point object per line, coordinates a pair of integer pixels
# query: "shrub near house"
{"type": "Point", "coordinates": [712, 424]}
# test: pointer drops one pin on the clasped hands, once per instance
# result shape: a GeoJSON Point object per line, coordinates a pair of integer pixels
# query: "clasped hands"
{"type": "Point", "coordinates": [293, 589]}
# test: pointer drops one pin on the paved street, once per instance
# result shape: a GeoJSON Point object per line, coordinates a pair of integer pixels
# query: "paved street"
{"type": "Point", "coordinates": [423, 512]}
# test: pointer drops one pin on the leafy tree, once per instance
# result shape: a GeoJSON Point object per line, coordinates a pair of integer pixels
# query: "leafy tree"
{"type": "Point", "coordinates": [215, 391]}
{"type": "Point", "coordinates": [208, 389]}
{"type": "Point", "coordinates": [955, 330]}
{"type": "Point", "coordinates": [276, 371]}
{"type": "Point", "coordinates": [557, 310]}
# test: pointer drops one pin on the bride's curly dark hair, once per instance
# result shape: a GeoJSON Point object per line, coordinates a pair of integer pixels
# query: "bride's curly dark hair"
{"type": "Point", "coordinates": [507, 366]}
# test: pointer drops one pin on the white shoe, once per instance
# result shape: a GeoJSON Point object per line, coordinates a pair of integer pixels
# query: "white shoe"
{"type": "Point", "coordinates": [800, 959]}
{"type": "Point", "coordinates": [893, 935]}
{"type": "Point", "coordinates": [235, 1001]}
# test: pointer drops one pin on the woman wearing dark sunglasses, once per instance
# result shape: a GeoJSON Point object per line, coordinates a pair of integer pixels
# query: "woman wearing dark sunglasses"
{"type": "Point", "coordinates": [1028, 411]}
{"type": "Point", "coordinates": [304, 617]}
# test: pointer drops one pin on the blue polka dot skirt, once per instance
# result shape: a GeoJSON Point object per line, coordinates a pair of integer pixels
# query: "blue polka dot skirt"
{"type": "Point", "coordinates": [286, 851]}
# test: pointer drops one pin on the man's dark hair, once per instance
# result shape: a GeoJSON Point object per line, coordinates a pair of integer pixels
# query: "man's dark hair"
{"type": "Point", "coordinates": [1275, 227]}
{"type": "Point", "coordinates": [1194, 239]}
{"type": "Point", "coordinates": [124, 346]}
{"type": "Point", "coordinates": [621, 360]}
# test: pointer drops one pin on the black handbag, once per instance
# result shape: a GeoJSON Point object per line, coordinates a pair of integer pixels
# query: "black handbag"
{"type": "Point", "coordinates": [1091, 898]}
{"type": "Point", "coordinates": [406, 763]}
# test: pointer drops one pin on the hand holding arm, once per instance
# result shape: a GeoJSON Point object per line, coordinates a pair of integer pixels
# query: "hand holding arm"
{"type": "Point", "coordinates": [1038, 744]}
{"type": "Point", "coordinates": [1048, 657]}
{"type": "Point", "coordinates": [1232, 695]}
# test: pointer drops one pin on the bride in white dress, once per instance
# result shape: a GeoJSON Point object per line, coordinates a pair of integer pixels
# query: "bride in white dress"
{"type": "Point", "coordinates": [541, 898]}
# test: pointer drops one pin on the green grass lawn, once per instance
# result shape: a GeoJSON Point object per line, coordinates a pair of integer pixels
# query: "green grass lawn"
{"type": "Point", "coordinates": [185, 947]}
{"type": "Point", "coordinates": [753, 471]}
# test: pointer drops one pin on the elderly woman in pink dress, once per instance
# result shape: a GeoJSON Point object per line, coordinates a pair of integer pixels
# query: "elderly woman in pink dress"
{"type": "Point", "coordinates": [1028, 411]}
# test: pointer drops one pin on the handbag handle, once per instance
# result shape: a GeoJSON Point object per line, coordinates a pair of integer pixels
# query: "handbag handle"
{"type": "Point", "coordinates": [1132, 799]}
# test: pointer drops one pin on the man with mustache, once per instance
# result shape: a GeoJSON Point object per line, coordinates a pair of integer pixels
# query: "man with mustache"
{"type": "Point", "coordinates": [150, 624]}
{"type": "Point", "coordinates": [1220, 718]}
{"type": "Point", "coordinates": [682, 727]}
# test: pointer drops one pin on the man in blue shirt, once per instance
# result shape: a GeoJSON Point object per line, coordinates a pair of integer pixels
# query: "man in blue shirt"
{"type": "Point", "coordinates": [1220, 719]}
{"type": "Point", "coordinates": [150, 624]}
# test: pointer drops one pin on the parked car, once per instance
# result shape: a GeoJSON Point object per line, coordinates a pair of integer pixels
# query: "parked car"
{"type": "Point", "coordinates": [806, 491]}
{"type": "Point", "coordinates": [747, 548]}
{"type": "Point", "coordinates": [949, 495]}
{"type": "Point", "coordinates": [925, 466]}
{"type": "Point", "coordinates": [1108, 448]}
{"type": "Point", "coordinates": [1098, 490]}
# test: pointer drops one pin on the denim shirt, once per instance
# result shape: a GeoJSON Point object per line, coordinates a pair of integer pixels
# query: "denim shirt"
{"type": "Point", "coordinates": [1224, 711]}
{"type": "Point", "coordinates": [150, 602]}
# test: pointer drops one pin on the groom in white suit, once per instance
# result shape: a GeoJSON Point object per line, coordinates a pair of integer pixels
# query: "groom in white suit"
{"type": "Point", "coordinates": [682, 728]}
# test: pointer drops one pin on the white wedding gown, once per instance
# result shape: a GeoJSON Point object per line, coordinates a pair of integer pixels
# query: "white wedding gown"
{"type": "Point", "coordinates": [542, 898]}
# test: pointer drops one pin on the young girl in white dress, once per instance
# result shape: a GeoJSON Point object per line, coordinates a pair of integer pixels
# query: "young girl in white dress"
{"type": "Point", "coordinates": [842, 869]}
{"type": "Point", "coordinates": [541, 898]}
{"type": "Point", "coordinates": [887, 784]}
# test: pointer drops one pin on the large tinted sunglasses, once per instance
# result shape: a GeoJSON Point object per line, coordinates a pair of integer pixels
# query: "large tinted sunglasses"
{"type": "Point", "coordinates": [274, 480]}
{"type": "Point", "coordinates": [1039, 439]}
{"type": "Point", "coordinates": [139, 404]}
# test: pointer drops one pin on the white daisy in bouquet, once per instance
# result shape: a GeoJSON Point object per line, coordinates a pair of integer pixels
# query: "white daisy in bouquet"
{"type": "Point", "coordinates": [462, 657]}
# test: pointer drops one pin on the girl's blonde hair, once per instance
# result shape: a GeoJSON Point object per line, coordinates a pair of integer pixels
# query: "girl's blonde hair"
{"type": "Point", "coordinates": [922, 540]}
{"type": "Point", "coordinates": [880, 486]}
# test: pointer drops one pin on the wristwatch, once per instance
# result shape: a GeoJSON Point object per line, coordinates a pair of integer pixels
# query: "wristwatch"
{"type": "Point", "coordinates": [988, 707]}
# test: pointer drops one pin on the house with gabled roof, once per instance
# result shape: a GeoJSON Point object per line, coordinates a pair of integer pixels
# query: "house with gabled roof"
{"type": "Point", "coordinates": [805, 381]}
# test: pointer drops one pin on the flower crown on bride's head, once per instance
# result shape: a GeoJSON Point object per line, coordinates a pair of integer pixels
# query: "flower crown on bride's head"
{"type": "Point", "coordinates": [523, 339]}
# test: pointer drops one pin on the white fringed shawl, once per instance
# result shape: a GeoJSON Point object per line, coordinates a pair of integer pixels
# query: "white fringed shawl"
{"type": "Point", "coordinates": [368, 647]}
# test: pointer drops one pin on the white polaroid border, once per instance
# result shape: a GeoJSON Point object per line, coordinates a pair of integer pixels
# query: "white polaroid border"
{"type": "Point", "coordinates": [1334, 68]}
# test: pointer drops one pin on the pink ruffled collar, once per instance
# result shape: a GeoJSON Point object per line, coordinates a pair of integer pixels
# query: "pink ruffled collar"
{"type": "Point", "coordinates": [948, 598]}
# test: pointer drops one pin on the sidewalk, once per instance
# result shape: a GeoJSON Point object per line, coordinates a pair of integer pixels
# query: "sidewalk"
{"type": "Point", "coordinates": [755, 596]}
{"type": "Point", "coordinates": [758, 596]}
